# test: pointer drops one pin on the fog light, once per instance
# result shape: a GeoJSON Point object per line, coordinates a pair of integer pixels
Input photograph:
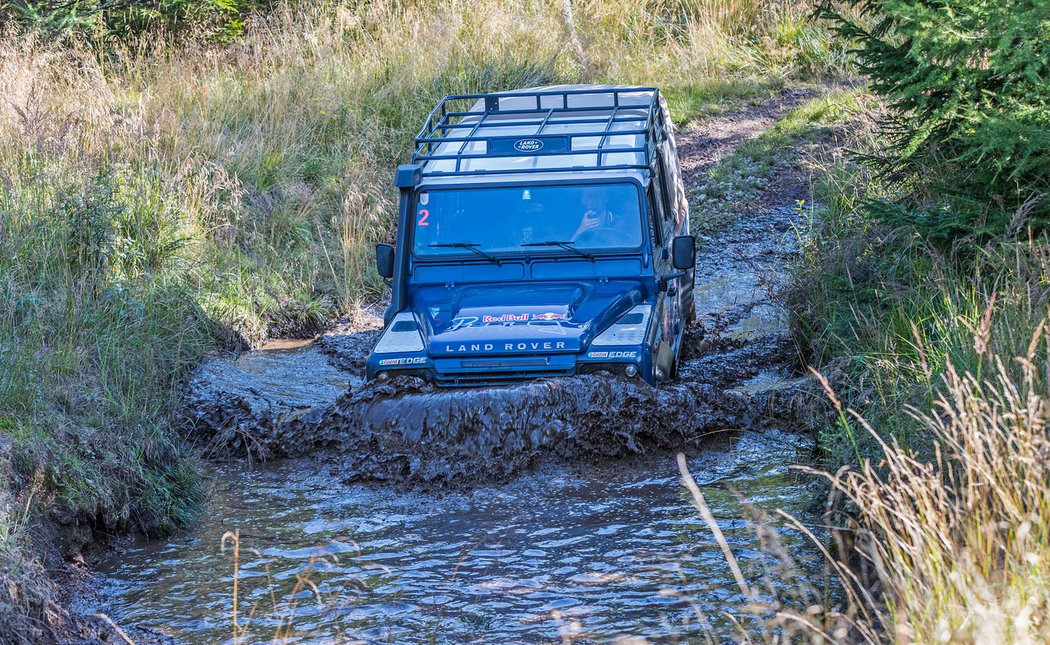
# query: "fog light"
{"type": "Point", "coordinates": [382, 376]}
{"type": "Point", "coordinates": [631, 370]}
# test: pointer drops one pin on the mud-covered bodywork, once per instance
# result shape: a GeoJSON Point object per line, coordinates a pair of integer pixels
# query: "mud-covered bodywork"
{"type": "Point", "coordinates": [541, 233]}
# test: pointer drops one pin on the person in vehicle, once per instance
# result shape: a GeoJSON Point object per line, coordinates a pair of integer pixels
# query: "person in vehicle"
{"type": "Point", "coordinates": [599, 225]}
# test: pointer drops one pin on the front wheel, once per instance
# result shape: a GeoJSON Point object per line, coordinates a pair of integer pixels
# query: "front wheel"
{"type": "Point", "coordinates": [689, 302]}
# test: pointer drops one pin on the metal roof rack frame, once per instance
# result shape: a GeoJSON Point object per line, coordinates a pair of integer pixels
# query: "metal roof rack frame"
{"type": "Point", "coordinates": [450, 123]}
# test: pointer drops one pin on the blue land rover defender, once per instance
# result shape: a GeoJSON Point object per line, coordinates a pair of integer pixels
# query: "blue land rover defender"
{"type": "Point", "coordinates": [541, 233]}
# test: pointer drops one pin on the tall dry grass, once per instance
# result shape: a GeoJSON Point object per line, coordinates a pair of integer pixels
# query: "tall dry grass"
{"type": "Point", "coordinates": [938, 363]}
{"type": "Point", "coordinates": [264, 143]}
{"type": "Point", "coordinates": [950, 544]}
{"type": "Point", "coordinates": [957, 548]}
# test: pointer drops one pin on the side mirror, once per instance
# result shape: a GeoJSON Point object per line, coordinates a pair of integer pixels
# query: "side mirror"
{"type": "Point", "coordinates": [683, 252]}
{"type": "Point", "coordinates": [385, 260]}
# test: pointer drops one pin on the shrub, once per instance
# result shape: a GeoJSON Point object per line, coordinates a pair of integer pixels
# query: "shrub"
{"type": "Point", "coordinates": [103, 19]}
{"type": "Point", "coordinates": [967, 93]}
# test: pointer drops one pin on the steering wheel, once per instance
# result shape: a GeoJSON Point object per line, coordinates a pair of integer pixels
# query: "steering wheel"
{"type": "Point", "coordinates": [603, 236]}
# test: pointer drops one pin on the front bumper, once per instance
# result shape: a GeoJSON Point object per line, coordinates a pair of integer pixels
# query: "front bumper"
{"type": "Point", "coordinates": [488, 370]}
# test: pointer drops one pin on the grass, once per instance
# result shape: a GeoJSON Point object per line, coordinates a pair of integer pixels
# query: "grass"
{"type": "Point", "coordinates": [733, 185]}
{"type": "Point", "coordinates": [959, 544]}
{"type": "Point", "coordinates": [162, 196]}
{"type": "Point", "coordinates": [936, 363]}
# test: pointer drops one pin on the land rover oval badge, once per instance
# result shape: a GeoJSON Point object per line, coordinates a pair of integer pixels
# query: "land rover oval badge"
{"type": "Point", "coordinates": [528, 145]}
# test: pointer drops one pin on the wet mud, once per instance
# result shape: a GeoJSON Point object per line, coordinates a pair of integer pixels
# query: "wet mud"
{"type": "Point", "coordinates": [312, 400]}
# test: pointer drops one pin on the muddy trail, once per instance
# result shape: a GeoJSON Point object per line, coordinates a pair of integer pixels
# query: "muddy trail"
{"type": "Point", "coordinates": [737, 358]}
{"type": "Point", "coordinates": [549, 511]}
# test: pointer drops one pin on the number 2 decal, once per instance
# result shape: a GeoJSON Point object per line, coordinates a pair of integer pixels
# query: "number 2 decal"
{"type": "Point", "coordinates": [423, 215]}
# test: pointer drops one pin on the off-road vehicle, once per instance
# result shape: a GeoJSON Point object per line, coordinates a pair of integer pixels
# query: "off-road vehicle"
{"type": "Point", "coordinates": [541, 233]}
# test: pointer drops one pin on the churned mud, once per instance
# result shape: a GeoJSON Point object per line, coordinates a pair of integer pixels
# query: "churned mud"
{"type": "Point", "coordinates": [736, 373]}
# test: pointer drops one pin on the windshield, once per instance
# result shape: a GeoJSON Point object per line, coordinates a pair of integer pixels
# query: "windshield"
{"type": "Point", "coordinates": [560, 219]}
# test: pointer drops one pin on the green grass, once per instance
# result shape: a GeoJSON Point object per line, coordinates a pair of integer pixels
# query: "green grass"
{"type": "Point", "coordinates": [690, 102]}
{"type": "Point", "coordinates": [733, 184]}
{"type": "Point", "coordinates": [943, 358]}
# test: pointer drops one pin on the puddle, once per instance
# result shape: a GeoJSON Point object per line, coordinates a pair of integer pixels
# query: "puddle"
{"type": "Point", "coordinates": [284, 375]}
{"type": "Point", "coordinates": [614, 549]}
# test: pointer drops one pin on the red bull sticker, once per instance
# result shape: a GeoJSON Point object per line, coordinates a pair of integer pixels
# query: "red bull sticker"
{"type": "Point", "coordinates": [505, 318]}
{"type": "Point", "coordinates": [548, 316]}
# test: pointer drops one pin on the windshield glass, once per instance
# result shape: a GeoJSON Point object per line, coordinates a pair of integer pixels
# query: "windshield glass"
{"type": "Point", "coordinates": [533, 219]}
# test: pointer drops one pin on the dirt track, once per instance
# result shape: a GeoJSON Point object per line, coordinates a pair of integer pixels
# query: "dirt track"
{"type": "Point", "coordinates": [738, 371]}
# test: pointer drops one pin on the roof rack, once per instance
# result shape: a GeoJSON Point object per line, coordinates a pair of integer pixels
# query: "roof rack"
{"type": "Point", "coordinates": [608, 128]}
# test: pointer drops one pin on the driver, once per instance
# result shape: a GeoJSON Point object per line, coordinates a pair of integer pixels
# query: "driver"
{"type": "Point", "coordinates": [596, 216]}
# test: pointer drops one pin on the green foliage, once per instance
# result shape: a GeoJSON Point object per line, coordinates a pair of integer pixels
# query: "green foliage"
{"type": "Point", "coordinates": [967, 83]}
{"type": "Point", "coordinates": [99, 331]}
{"type": "Point", "coordinates": [884, 312]}
{"type": "Point", "coordinates": [120, 18]}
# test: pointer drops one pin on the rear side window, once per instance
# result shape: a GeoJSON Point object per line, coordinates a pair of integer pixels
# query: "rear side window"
{"type": "Point", "coordinates": [656, 215]}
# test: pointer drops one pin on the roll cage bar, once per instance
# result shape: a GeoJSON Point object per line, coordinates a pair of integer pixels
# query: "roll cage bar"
{"type": "Point", "coordinates": [465, 127]}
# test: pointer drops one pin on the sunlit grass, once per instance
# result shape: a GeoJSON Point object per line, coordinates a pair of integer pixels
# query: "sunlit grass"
{"type": "Point", "coordinates": [937, 363]}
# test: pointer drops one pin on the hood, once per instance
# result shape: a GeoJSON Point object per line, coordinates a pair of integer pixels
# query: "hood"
{"type": "Point", "coordinates": [519, 318]}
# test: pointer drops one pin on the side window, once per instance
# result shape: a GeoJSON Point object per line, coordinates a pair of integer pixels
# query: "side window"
{"type": "Point", "coordinates": [656, 216]}
{"type": "Point", "coordinates": [666, 198]}
{"type": "Point", "coordinates": [667, 174]}
{"type": "Point", "coordinates": [674, 186]}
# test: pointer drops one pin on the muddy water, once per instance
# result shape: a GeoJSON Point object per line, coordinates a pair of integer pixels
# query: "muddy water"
{"type": "Point", "coordinates": [537, 513]}
{"type": "Point", "coordinates": [288, 376]}
{"type": "Point", "coordinates": [592, 551]}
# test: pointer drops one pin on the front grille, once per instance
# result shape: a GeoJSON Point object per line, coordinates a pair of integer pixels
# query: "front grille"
{"type": "Point", "coordinates": [474, 379]}
{"type": "Point", "coordinates": [501, 370]}
{"type": "Point", "coordinates": [499, 363]}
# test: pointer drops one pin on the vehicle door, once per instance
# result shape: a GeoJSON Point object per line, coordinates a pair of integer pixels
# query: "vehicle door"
{"type": "Point", "coordinates": [663, 225]}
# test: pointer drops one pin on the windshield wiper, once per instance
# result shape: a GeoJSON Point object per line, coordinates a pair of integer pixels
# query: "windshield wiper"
{"type": "Point", "coordinates": [568, 246]}
{"type": "Point", "coordinates": [470, 246]}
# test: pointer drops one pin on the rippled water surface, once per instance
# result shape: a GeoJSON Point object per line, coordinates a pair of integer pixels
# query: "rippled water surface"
{"type": "Point", "coordinates": [590, 551]}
